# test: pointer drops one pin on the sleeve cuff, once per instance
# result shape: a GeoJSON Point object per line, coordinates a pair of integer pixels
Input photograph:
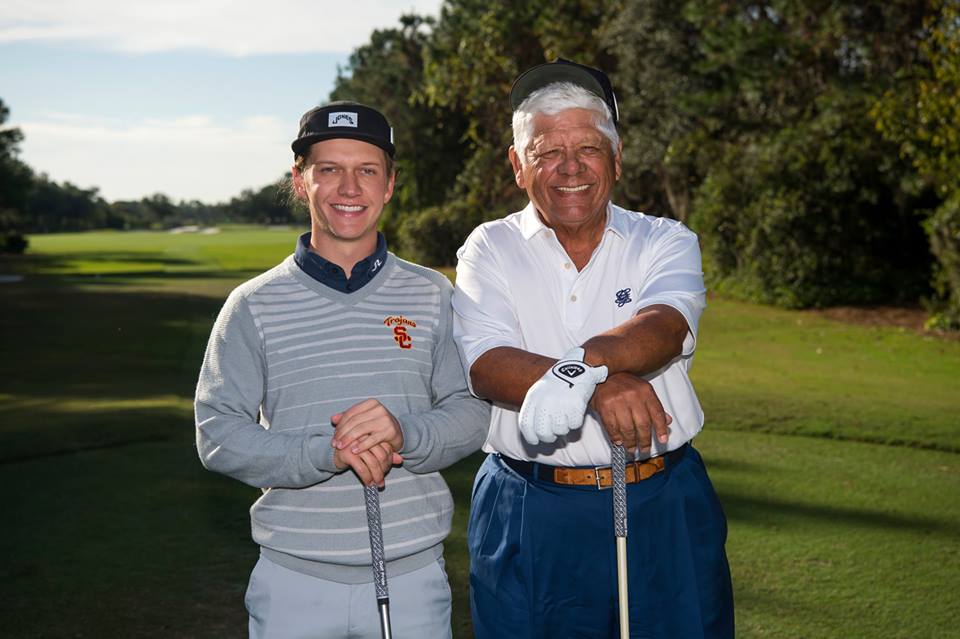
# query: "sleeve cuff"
{"type": "Point", "coordinates": [410, 427]}
{"type": "Point", "coordinates": [321, 454]}
{"type": "Point", "coordinates": [690, 339]}
{"type": "Point", "coordinates": [473, 349]}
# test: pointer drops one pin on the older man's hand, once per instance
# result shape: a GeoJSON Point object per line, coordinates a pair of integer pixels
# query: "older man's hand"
{"type": "Point", "coordinates": [557, 402]}
{"type": "Point", "coordinates": [631, 412]}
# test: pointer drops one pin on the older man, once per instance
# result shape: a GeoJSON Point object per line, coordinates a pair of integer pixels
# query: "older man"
{"type": "Point", "coordinates": [578, 319]}
{"type": "Point", "coordinates": [341, 358]}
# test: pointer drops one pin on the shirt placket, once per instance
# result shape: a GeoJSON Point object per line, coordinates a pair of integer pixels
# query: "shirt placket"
{"type": "Point", "coordinates": [571, 283]}
{"type": "Point", "coordinates": [578, 297]}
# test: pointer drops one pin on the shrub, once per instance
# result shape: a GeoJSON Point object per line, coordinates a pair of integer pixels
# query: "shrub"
{"type": "Point", "coordinates": [15, 243]}
{"type": "Point", "coordinates": [810, 217]}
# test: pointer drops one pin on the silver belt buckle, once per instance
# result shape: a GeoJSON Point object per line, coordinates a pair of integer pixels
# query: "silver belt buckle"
{"type": "Point", "coordinates": [596, 477]}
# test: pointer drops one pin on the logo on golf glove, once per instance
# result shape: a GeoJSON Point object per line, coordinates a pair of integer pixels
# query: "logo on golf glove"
{"type": "Point", "coordinates": [568, 371]}
{"type": "Point", "coordinates": [557, 402]}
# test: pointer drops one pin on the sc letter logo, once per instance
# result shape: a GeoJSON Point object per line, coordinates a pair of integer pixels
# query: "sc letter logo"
{"type": "Point", "coordinates": [402, 338]}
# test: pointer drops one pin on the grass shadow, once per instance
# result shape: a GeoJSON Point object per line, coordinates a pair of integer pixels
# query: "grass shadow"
{"type": "Point", "coordinates": [741, 508]}
{"type": "Point", "coordinates": [148, 544]}
{"type": "Point", "coordinates": [48, 434]}
{"type": "Point", "coordinates": [34, 263]}
{"type": "Point", "coordinates": [72, 342]}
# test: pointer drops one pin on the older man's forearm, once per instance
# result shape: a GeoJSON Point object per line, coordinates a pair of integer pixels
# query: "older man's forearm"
{"type": "Point", "coordinates": [647, 342]}
{"type": "Point", "coordinates": [504, 374]}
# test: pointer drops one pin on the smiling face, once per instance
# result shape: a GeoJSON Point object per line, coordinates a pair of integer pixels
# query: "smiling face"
{"type": "Point", "coordinates": [346, 184]}
{"type": "Point", "coordinates": [569, 170]}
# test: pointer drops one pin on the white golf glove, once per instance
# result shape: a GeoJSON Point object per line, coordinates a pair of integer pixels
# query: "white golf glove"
{"type": "Point", "coordinates": [557, 402]}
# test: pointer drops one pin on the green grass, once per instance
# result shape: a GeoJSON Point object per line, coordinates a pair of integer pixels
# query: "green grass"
{"type": "Point", "coordinates": [833, 447]}
{"type": "Point", "coordinates": [838, 539]}
{"type": "Point", "coordinates": [237, 249]}
{"type": "Point", "coordinates": [777, 371]}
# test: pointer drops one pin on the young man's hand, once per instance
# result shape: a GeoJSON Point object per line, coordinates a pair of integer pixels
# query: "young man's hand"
{"type": "Point", "coordinates": [368, 421]}
{"type": "Point", "coordinates": [370, 466]}
{"type": "Point", "coordinates": [369, 435]}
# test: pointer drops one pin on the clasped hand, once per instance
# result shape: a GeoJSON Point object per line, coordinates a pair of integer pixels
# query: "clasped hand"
{"type": "Point", "coordinates": [367, 440]}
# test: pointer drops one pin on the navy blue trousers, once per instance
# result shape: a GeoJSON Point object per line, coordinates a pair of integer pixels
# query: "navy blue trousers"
{"type": "Point", "coordinates": [543, 557]}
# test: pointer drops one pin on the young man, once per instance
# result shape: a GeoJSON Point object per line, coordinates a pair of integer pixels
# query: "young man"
{"type": "Point", "coordinates": [616, 297]}
{"type": "Point", "coordinates": [334, 370]}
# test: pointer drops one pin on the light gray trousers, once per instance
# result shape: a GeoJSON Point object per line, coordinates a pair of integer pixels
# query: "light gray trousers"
{"type": "Point", "coordinates": [285, 604]}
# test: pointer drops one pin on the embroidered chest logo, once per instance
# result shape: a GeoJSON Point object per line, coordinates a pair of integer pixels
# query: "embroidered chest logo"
{"type": "Point", "coordinates": [623, 297]}
{"type": "Point", "coordinates": [400, 335]}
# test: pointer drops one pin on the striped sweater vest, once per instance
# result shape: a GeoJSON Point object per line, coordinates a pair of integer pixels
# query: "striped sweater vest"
{"type": "Point", "coordinates": [285, 355]}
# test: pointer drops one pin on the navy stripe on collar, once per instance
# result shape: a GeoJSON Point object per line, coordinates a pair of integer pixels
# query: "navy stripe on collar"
{"type": "Point", "coordinates": [329, 274]}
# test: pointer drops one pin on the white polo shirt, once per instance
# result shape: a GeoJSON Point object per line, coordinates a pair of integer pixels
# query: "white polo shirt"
{"type": "Point", "coordinates": [516, 286]}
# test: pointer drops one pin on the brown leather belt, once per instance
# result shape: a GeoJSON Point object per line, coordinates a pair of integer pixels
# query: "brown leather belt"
{"type": "Point", "coordinates": [598, 477]}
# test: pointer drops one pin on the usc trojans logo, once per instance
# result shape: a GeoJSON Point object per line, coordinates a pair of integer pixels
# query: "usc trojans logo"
{"type": "Point", "coordinates": [402, 338]}
{"type": "Point", "coordinates": [400, 335]}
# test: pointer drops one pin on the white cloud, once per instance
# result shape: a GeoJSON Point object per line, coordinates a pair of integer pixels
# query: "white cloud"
{"type": "Point", "coordinates": [234, 27]}
{"type": "Point", "coordinates": [185, 158]}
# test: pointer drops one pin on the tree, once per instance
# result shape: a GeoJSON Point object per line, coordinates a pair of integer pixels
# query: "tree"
{"type": "Point", "coordinates": [15, 178]}
{"type": "Point", "coordinates": [268, 205]}
{"type": "Point", "coordinates": [752, 124]}
{"type": "Point", "coordinates": [921, 114]}
{"type": "Point", "coordinates": [657, 48]}
{"type": "Point", "coordinates": [52, 207]}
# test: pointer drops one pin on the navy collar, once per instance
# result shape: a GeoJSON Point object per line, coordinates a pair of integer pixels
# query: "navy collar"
{"type": "Point", "coordinates": [329, 274]}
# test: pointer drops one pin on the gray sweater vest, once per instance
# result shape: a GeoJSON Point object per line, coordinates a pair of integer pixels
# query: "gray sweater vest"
{"type": "Point", "coordinates": [285, 354]}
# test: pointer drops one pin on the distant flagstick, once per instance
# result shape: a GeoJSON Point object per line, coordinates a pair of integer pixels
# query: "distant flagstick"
{"type": "Point", "coordinates": [618, 465]}
{"type": "Point", "coordinates": [372, 499]}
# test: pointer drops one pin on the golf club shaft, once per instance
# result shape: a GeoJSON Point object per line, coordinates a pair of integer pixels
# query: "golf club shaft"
{"type": "Point", "coordinates": [622, 588]}
{"type": "Point", "coordinates": [384, 609]}
{"type": "Point", "coordinates": [372, 499]}
{"type": "Point", "coordinates": [618, 462]}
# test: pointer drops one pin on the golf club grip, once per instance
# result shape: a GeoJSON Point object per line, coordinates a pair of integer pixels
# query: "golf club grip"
{"type": "Point", "coordinates": [372, 499]}
{"type": "Point", "coordinates": [618, 464]}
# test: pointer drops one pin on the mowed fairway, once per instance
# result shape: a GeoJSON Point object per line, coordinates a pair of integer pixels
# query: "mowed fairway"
{"type": "Point", "coordinates": [835, 450]}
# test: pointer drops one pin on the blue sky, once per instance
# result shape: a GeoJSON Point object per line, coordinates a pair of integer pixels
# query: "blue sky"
{"type": "Point", "coordinates": [196, 99]}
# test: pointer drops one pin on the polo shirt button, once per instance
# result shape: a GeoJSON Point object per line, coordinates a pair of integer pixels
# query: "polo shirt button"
{"type": "Point", "coordinates": [567, 265]}
{"type": "Point", "coordinates": [573, 298]}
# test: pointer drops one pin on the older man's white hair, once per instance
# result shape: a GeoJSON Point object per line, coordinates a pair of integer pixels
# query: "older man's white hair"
{"type": "Point", "coordinates": [552, 99]}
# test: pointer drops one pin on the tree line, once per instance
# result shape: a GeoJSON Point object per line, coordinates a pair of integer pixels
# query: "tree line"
{"type": "Point", "coordinates": [813, 145]}
{"type": "Point", "coordinates": [31, 202]}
